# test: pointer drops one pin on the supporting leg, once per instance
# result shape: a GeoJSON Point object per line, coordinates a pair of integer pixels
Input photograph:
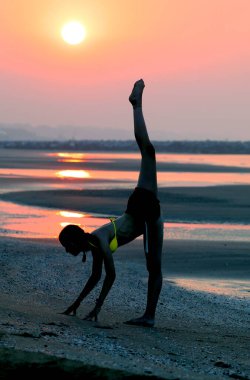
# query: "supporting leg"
{"type": "Point", "coordinates": [153, 259]}
{"type": "Point", "coordinates": [155, 242]}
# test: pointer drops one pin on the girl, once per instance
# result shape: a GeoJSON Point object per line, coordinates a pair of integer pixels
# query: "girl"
{"type": "Point", "coordinates": [142, 216]}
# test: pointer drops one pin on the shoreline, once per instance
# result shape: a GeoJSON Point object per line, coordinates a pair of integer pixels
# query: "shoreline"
{"type": "Point", "coordinates": [190, 340]}
{"type": "Point", "coordinates": [236, 147]}
{"type": "Point", "coordinates": [224, 204]}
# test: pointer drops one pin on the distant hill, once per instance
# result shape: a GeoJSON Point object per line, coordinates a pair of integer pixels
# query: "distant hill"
{"type": "Point", "coordinates": [19, 132]}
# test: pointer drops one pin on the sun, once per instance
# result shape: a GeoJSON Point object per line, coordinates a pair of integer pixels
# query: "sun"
{"type": "Point", "coordinates": [73, 32]}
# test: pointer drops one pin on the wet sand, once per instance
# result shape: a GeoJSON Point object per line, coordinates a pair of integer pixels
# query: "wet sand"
{"type": "Point", "coordinates": [224, 204]}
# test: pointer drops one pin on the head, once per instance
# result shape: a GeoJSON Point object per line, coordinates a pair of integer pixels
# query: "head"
{"type": "Point", "coordinates": [74, 239]}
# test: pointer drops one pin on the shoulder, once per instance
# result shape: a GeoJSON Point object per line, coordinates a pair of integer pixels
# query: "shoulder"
{"type": "Point", "coordinates": [102, 239]}
{"type": "Point", "coordinates": [103, 231]}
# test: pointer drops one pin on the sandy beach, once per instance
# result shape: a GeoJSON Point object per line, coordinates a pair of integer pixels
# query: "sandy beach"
{"type": "Point", "coordinates": [99, 98]}
{"type": "Point", "coordinates": [202, 328]}
{"type": "Point", "coordinates": [198, 334]}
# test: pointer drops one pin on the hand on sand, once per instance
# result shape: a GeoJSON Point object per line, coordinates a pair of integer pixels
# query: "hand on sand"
{"type": "Point", "coordinates": [136, 94]}
{"type": "Point", "coordinates": [142, 321]}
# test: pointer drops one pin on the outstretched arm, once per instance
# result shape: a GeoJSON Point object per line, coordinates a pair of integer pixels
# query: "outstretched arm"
{"type": "Point", "coordinates": [107, 284]}
{"type": "Point", "coordinates": [90, 284]}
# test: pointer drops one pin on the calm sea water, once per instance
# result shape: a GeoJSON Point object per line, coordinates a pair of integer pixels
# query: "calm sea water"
{"type": "Point", "coordinates": [37, 170]}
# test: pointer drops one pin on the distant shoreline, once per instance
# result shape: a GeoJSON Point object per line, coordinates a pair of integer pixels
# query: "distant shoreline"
{"type": "Point", "coordinates": [171, 146]}
{"type": "Point", "coordinates": [214, 204]}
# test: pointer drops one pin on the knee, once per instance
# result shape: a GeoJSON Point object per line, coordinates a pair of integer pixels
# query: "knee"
{"type": "Point", "coordinates": [150, 150]}
{"type": "Point", "coordinates": [147, 148]}
{"type": "Point", "coordinates": [155, 275]}
{"type": "Point", "coordinates": [154, 268]}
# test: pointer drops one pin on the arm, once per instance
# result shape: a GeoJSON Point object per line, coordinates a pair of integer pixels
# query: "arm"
{"type": "Point", "coordinates": [90, 284]}
{"type": "Point", "coordinates": [107, 284]}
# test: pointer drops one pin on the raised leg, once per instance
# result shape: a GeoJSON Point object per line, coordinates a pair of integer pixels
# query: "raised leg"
{"type": "Point", "coordinates": [147, 177]}
{"type": "Point", "coordinates": [153, 234]}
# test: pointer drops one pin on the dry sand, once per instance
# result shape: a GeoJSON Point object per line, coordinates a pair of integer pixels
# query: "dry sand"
{"type": "Point", "coordinates": [198, 335]}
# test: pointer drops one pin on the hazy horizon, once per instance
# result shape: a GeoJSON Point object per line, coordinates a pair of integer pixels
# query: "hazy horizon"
{"type": "Point", "coordinates": [22, 132]}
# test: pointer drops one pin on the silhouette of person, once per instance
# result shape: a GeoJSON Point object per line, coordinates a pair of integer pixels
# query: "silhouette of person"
{"type": "Point", "coordinates": [142, 216]}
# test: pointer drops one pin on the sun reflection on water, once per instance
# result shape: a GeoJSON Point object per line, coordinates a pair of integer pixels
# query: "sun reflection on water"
{"type": "Point", "coordinates": [70, 214]}
{"type": "Point", "coordinates": [72, 174]}
{"type": "Point", "coordinates": [34, 222]}
{"type": "Point", "coordinates": [70, 157]}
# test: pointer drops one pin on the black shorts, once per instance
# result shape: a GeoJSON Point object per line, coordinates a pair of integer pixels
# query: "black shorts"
{"type": "Point", "coordinates": [143, 205]}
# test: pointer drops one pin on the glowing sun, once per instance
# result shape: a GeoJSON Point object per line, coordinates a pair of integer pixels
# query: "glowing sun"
{"type": "Point", "coordinates": [73, 33]}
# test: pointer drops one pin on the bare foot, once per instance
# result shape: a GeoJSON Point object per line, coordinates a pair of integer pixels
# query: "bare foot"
{"type": "Point", "coordinates": [142, 321]}
{"type": "Point", "coordinates": [136, 94]}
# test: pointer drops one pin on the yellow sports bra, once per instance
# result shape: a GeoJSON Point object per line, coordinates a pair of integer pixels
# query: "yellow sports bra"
{"type": "Point", "coordinates": [113, 245]}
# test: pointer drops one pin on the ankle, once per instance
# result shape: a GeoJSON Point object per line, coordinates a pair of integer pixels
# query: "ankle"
{"type": "Point", "coordinates": [148, 316]}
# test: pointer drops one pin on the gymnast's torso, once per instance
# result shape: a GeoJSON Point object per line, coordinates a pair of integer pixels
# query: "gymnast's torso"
{"type": "Point", "coordinates": [127, 229]}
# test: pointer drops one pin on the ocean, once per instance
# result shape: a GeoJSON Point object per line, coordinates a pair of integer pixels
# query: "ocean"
{"type": "Point", "coordinates": [39, 170]}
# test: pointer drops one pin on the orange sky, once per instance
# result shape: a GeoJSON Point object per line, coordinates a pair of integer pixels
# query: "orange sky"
{"type": "Point", "coordinates": [194, 56]}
